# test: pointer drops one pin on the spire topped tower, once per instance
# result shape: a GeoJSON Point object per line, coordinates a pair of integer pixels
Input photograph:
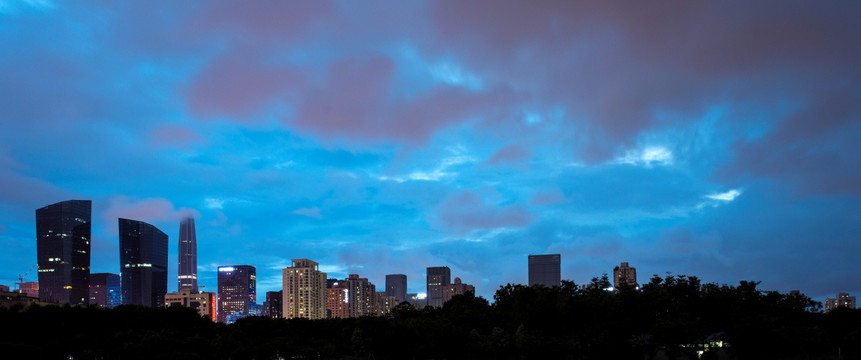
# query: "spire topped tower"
{"type": "Point", "coordinates": [187, 270]}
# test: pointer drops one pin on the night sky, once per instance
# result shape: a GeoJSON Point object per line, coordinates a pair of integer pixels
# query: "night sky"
{"type": "Point", "coordinates": [720, 139]}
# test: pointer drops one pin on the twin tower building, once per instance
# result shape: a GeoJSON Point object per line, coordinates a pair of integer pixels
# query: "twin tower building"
{"type": "Point", "coordinates": [63, 243]}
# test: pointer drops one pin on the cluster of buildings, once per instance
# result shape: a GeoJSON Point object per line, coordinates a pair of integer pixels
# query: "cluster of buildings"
{"type": "Point", "coordinates": [63, 235]}
{"type": "Point", "coordinates": [63, 255]}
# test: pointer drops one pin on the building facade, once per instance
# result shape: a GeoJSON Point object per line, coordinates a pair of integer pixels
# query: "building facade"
{"type": "Point", "coordinates": [626, 275]}
{"type": "Point", "coordinates": [237, 291]}
{"type": "Point", "coordinates": [29, 288]}
{"type": "Point", "coordinates": [273, 306]}
{"type": "Point", "coordinates": [842, 300]}
{"type": "Point", "coordinates": [187, 269]}
{"type": "Point", "coordinates": [396, 286]}
{"type": "Point", "coordinates": [336, 299]}
{"type": "Point", "coordinates": [438, 277]}
{"type": "Point", "coordinates": [304, 290]}
{"type": "Point", "coordinates": [360, 296]}
{"type": "Point", "coordinates": [458, 288]}
{"type": "Point", "coordinates": [384, 303]}
{"type": "Point", "coordinates": [143, 263]}
{"type": "Point", "coordinates": [105, 291]}
{"type": "Point", "coordinates": [545, 270]}
{"type": "Point", "coordinates": [203, 302]}
{"type": "Point", "coordinates": [63, 251]}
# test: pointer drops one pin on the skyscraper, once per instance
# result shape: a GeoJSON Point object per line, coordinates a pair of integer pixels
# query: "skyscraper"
{"type": "Point", "coordinates": [237, 291]}
{"type": "Point", "coordinates": [304, 290]}
{"type": "Point", "coordinates": [545, 270]}
{"type": "Point", "coordinates": [143, 263]}
{"type": "Point", "coordinates": [437, 279]}
{"type": "Point", "coordinates": [63, 251]}
{"type": "Point", "coordinates": [105, 290]}
{"type": "Point", "coordinates": [187, 270]}
{"type": "Point", "coordinates": [625, 275]}
{"type": "Point", "coordinates": [396, 286]}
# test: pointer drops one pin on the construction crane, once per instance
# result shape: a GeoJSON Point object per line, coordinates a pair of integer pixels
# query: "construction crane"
{"type": "Point", "coordinates": [21, 277]}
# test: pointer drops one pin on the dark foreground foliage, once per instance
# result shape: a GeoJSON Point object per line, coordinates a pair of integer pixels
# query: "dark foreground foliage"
{"type": "Point", "coordinates": [668, 318]}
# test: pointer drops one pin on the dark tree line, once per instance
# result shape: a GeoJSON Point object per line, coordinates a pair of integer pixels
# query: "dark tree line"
{"type": "Point", "coordinates": [668, 317]}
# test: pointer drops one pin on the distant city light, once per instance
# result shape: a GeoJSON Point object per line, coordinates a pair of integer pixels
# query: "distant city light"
{"type": "Point", "coordinates": [226, 268]}
{"type": "Point", "coordinates": [421, 296]}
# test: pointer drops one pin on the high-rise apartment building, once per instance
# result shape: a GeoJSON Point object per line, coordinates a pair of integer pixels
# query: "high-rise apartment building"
{"type": "Point", "coordinates": [203, 302]}
{"type": "Point", "coordinates": [438, 277]}
{"type": "Point", "coordinates": [545, 270]}
{"type": "Point", "coordinates": [336, 299]}
{"type": "Point", "coordinates": [304, 290]}
{"type": "Point", "coordinates": [458, 288]}
{"type": "Point", "coordinates": [384, 303]}
{"type": "Point", "coordinates": [625, 274]}
{"type": "Point", "coordinates": [396, 286]}
{"type": "Point", "coordinates": [187, 270]}
{"type": "Point", "coordinates": [273, 306]}
{"type": "Point", "coordinates": [842, 300]}
{"type": "Point", "coordinates": [237, 291]}
{"type": "Point", "coordinates": [143, 263]}
{"type": "Point", "coordinates": [360, 294]}
{"type": "Point", "coordinates": [63, 251]}
{"type": "Point", "coordinates": [105, 291]}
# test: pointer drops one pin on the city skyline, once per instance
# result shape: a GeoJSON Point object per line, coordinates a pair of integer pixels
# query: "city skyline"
{"type": "Point", "coordinates": [713, 139]}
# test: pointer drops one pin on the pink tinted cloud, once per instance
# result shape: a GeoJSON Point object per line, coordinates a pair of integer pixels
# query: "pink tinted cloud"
{"type": "Point", "coordinates": [173, 136]}
{"type": "Point", "coordinates": [464, 212]}
{"type": "Point", "coordinates": [357, 100]}
{"type": "Point", "coordinates": [616, 63]}
{"type": "Point", "coordinates": [267, 20]}
{"type": "Point", "coordinates": [511, 154]}
{"type": "Point", "coordinates": [239, 84]}
{"type": "Point", "coordinates": [147, 210]}
{"type": "Point", "coordinates": [548, 198]}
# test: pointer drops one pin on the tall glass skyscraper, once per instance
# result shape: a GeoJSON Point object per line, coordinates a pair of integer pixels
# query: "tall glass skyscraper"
{"type": "Point", "coordinates": [438, 278]}
{"type": "Point", "coordinates": [63, 251]}
{"type": "Point", "coordinates": [396, 286]}
{"type": "Point", "coordinates": [187, 270]}
{"type": "Point", "coordinates": [143, 263]}
{"type": "Point", "coordinates": [237, 291]}
{"type": "Point", "coordinates": [545, 270]}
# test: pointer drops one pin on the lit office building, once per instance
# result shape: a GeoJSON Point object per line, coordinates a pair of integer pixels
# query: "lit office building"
{"type": "Point", "coordinates": [143, 263]}
{"type": "Point", "coordinates": [63, 251]}
{"type": "Point", "coordinates": [105, 291]}
{"type": "Point", "coordinates": [396, 286]}
{"type": "Point", "coordinates": [545, 270]}
{"type": "Point", "coordinates": [237, 291]}
{"type": "Point", "coordinates": [625, 275]}
{"type": "Point", "coordinates": [187, 270]}
{"type": "Point", "coordinates": [304, 290]}
{"type": "Point", "coordinates": [202, 302]}
{"type": "Point", "coordinates": [438, 278]}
